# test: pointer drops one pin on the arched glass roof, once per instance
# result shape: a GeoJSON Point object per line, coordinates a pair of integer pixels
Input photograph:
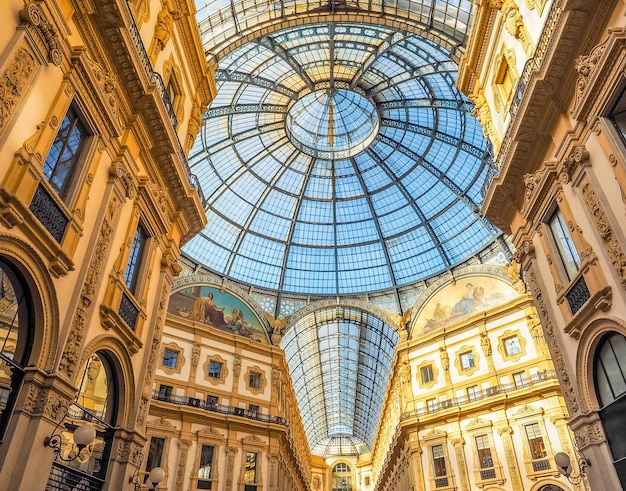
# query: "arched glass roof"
{"type": "Point", "coordinates": [338, 159]}
{"type": "Point", "coordinates": [339, 360]}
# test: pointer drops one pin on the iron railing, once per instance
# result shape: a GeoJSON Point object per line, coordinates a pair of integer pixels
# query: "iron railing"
{"type": "Point", "coordinates": [156, 79]}
{"type": "Point", "coordinates": [218, 408]}
{"type": "Point", "coordinates": [535, 378]}
{"type": "Point", "coordinates": [64, 478]}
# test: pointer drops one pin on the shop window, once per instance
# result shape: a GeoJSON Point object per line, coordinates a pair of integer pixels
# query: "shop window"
{"type": "Point", "coordinates": [205, 468]}
{"type": "Point", "coordinates": [62, 159]}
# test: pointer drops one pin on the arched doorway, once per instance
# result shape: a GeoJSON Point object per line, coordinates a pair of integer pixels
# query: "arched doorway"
{"type": "Point", "coordinates": [16, 332]}
{"type": "Point", "coordinates": [342, 477]}
{"type": "Point", "coordinates": [95, 405]}
{"type": "Point", "coordinates": [610, 383]}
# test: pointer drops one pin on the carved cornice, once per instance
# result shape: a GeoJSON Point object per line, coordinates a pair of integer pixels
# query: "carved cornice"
{"type": "Point", "coordinates": [597, 72]}
{"type": "Point", "coordinates": [43, 32]}
{"type": "Point", "coordinates": [538, 187]}
{"type": "Point", "coordinates": [572, 32]}
{"type": "Point", "coordinates": [574, 163]}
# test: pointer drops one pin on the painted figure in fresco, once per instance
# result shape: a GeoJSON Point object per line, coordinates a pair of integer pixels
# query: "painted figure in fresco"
{"type": "Point", "coordinates": [472, 299]}
{"type": "Point", "coordinates": [205, 310]}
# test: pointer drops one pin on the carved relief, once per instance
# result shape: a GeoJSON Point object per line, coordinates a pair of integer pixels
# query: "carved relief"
{"type": "Point", "coordinates": [67, 365]}
{"type": "Point", "coordinates": [195, 355]}
{"type": "Point", "coordinates": [509, 451]}
{"type": "Point", "coordinates": [230, 465]}
{"type": "Point", "coordinates": [459, 444]}
{"type": "Point", "coordinates": [514, 22]}
{"type": "Point", "coordinates": [605, 230]}
{"type": "Point", "coordinates": [14, 82]}
{"type": "Point", "coordinates": [553, 344]}
{"type": "Point", "coordinates": [47, 36]}
{"type": "Point", "coordinates": [585, 66]}
{"type": "Point", "coordinates": [482, 112]}
{"type": "Point", "coordinates": [578, 157]}
{"type": "Point", "coordinates": [182, 463]}
{"type": "Point", "coordinates": [589, 434]}
{"type": "Point", "coordinates": [146, 391]}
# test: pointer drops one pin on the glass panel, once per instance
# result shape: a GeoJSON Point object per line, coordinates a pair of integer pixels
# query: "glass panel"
{"type": "Point", "coordinates": [134, 259]}
{"type": "Point", "coordinates": [331, 193]}
{"type": "Point", "coordinates": [250, 470]}
{"type": "Point", "coordinates": [610, 369]}
{"type": "Point", "coordinates": [512, 346]}
{"type": "Point", "coordinates": [565, 244]}
{"type": "Point", "coordinates": [215, 369]}
{"type": "Point", "coordinates": [170, 358]}
{"type": "Point", "coordinates": [155, 455]}
{"type": "Point", "coordinates": [439, 461]}
{"type": "Point", "coordinates": [64, 153]}
{"type": "Point", "coordinates": [205, 469]}
{"type": "Point", "coordinates": [484, 452]}
{"type": "Point", "coordinates": [535, 442]}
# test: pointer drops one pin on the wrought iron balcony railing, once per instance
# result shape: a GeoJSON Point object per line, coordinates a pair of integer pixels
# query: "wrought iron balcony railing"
{"type": "Point", "coordinates": [218, 408]}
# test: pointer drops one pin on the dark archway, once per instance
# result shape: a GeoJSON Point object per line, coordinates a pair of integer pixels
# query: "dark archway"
{"type": "Point", "coordinates": [610, 384]}
{"type": "Point", "coordinates": [16, 338]}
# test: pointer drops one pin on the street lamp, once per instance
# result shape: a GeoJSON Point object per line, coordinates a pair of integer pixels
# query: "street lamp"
{"type": "Point", "coordinates": [563, 463]}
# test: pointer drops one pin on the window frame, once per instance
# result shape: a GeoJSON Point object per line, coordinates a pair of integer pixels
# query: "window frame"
{"type": "Point", "coordinates": [212, 474]}
{"type": "Point", "coordinates": [216, 359]}
{"type": "Point", "coordinates": [556, 244]}
{"type": "Point", "coordinates": [80, 157]}
{"type": "Point", "coordinates": [137, 258]}
{"type": "Point", "coordinates": [151, 460]}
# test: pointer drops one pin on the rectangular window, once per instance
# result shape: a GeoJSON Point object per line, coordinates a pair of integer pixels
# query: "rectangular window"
{"type": "Point", "coordinates": [250, 473]}
{"type": "Point", "coordinates": [215, 369]}
{"type": "Point", "coordinates": [485, 460]}
{"type": "Point", "coordinates": [131, 275]}
{"type": "Point", "coordinates": [473, 393]}
{"type": "Point", "coordinates": [255, 380]}
{"type": "Point", "coordinates": [205, 469]}
{"type": "Point", "coordinates": [427, 374]}
{"type": "Point", "coordinates": [467, 360]}
{"type": "Point", "coordinates": [431, 405]}
{"type": "Point", "coordinates": [520, 379]}
{"type": "Point", "coordinates": [254, 409]}
{"type": "Point", "coordinates": [512, 346]}
{"type": "Point", "coordinates": [564, 244]}
{"type": "Point", "coordinates": [165, 391]}
{"type": "Point", "coordinates": [170, 358]}
{"type": "Point", "coordinates": [535, 442]}
{"type": "Point", "coordinates": [62, 159]}
{"type": "Point", "coordinates": [155, 455]}
{"type": "Point", "coordinates": [439, 460]}
{"type": "Point", "coordinates": [211, 400]}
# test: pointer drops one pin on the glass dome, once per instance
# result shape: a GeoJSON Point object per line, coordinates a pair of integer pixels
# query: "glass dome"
{"type": "Point", "coordinates": [332, 123]}
{"type": "Point", "coordinates": [339, 159]}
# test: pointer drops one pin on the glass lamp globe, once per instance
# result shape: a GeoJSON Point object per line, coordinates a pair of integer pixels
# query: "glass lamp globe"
{"type": "Point", "coordinates": [84, 435]}
{"type": "Point", "coordinates": [156, 475]}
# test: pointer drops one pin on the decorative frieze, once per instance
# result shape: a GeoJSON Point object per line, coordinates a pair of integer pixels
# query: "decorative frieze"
{"type": "Point", "coordinates": [13, 83]}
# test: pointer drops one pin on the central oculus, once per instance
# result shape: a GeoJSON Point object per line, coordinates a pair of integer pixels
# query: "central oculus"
{"type": "Point", "coordinates": [332, 123]}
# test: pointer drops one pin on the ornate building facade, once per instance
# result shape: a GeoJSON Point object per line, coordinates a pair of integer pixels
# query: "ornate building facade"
{"type": "Point", "coordinates": [554, 116]}
{"type": "Point", "coordinates": [344, 316]}
{"type": "Point", "coordinates": [99, 106]}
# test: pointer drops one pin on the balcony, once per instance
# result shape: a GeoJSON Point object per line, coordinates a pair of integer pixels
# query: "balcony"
{"type": "Point", "coordinates": [218, 408]}
{"type": "Point", "coordinates": [496, 390]}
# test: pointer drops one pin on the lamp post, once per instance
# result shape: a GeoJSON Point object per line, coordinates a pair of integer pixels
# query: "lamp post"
{"type": "Point", "coordinates": [563, 463]}
{"type": "Point", "coordinates": [83, 436]}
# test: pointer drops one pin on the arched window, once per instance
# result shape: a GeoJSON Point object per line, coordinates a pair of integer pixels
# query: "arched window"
{"type": "Point", "coordinates": [610, 381]}
{"type": "Point", "coordinates": [15, 339]}
{"type": "Point", "coordinates": [95, 405]}
{"type": "Point", "coordinates": [342, 477]}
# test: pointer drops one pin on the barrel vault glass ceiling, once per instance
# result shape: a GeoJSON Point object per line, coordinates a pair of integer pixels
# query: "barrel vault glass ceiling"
{"type": "Point", "coordinates": [338, 158]}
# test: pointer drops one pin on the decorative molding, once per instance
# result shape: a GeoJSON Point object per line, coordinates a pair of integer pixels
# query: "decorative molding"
{"type": "Point", "coordinates": [502, 348]}
{"type": "Point", "coordinates": [263, 380]}
{"type": "Point", "coordinates": [209, 432]}
{"type": "Point", "coordinates": [606, 232]}
{"type": "Point", "coordinates": [573, 163]}
{"type": "Point", "coordinates": [538, 186]}
{"type": "Point", "coordinates": [180, 359]}
{"type": "Point", "coordinates": [44, 33]}
{"type": "Point", "coordinates": [14, 82]}
{"type": "Point", "coordinates": [253, 440]}
{"type": "Point", "coordinates": [553, 343]}
{"type": "Point", "coordinates": [223, 371]}
{"type": "Point", "coordinates": [69, 359]}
